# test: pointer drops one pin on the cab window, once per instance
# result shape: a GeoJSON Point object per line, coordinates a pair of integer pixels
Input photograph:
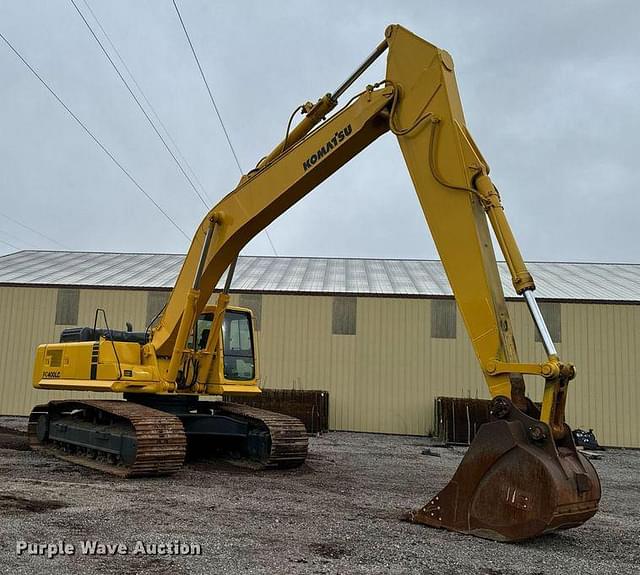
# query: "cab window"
{"type": "Point", "coordinates": [237, 337]}
{"type": "Point", "coordinates": [203, 328]}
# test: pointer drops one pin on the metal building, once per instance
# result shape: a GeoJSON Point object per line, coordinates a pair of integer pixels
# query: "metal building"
{"type": "Point", "coordinates": [382, 336]}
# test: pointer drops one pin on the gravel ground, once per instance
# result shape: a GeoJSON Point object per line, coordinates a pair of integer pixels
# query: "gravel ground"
{"type": "Point", "coordinates": [340, 513]}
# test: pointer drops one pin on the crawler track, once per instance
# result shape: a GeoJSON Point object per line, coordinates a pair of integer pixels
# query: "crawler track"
{"type": "Point", "coordinates": [157, 438]}
{"type": "Point", "coordinates": [289, 440]}
{"type": "Point", "coordinates": [128, 439]}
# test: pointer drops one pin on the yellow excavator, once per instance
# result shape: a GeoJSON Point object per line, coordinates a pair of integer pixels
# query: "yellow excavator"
{"type": "Point", "coordinates": [522, 475]}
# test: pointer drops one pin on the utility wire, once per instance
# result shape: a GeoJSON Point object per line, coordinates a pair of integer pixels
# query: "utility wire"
{"type": "Point", "coordinates": [146, 100]}
{"type": "Point", "coordinates": [204, 79]}
{"type": "Point", "coordinates": [94, 138]}
{"type": "Point", "coordinates": [137, 101]}
{"type": "Point", "coordinates": [10, 245]}
{"type": "Point", "coordinates": [28, 245]}
{"type": "Point", "coordinates": [26, 227]}
{"type": "Point", "coordinates": [213, 102]}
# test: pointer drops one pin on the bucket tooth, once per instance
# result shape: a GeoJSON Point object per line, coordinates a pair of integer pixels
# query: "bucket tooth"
{"type": "Point", "coordinates": [515, 483]}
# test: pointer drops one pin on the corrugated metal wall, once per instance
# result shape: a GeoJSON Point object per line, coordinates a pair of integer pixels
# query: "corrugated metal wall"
{"type": "Point", "coordinates": [384, 378]}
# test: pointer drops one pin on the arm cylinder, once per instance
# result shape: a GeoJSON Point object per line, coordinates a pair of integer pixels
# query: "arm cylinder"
{"type": "Point", "coordinates": [322, 107]}
{"type": "Point", "coordinates": [380, 48]}
{"type": "Point", "coordinates": [319, 110]}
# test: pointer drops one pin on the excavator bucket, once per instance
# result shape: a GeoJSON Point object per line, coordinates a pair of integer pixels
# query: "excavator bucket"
{"type": "Point", "coordinates": [515, 482]}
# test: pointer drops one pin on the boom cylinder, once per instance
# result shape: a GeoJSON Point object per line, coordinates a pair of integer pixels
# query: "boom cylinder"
{"type": "Point", "coordinates": [214, 331]}
{"type": "Point", "coordinates": [203, 255]}
{"type": "Point", "coordinates": [230, 272]}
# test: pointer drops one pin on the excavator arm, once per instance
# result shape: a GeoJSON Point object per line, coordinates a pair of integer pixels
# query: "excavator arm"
{"type": "Point", "coordinates": [522, 475]}
{"type": "Point", "coordinates": [419, 102]}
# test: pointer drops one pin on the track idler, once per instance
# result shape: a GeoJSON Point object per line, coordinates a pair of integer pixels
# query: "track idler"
{"type": "Point", "coordinates": [515, 482]}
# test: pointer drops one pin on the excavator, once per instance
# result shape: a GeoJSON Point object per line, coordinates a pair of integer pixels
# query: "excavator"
{"type": "Point", "coordinates": [520, 478]}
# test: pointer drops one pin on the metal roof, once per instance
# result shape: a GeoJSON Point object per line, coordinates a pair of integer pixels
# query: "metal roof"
{"type": "Point", "coordinates": [563, 281]}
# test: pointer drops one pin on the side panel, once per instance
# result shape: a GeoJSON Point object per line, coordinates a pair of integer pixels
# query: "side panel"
{"type": "Point", "coordinates": [93, 366]}
{"type": "Point", "coordinates": [58, 361]}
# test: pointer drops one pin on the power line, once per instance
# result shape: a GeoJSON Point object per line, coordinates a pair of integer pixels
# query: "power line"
{"type": "Point", "coordinates": [10, 245]}
{"type": "Point", "coordinates": [147, 102]}
{"type": "Point", "coordinates": [204, 78]}
{"type": "Point", "coordinates": [26, 227]}
{"type": "Point", "coordinates": [213, 102]}
{"type": "Point", "coordinates": [20, 240]}
{"type": "Point", "coordinates": [94, 138]}
{"type": "Point", "coordinates": [137, 101]}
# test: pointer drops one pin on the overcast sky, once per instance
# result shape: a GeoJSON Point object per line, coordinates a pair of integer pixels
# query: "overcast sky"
{"type": "Point", "coordinates": [550, 91]}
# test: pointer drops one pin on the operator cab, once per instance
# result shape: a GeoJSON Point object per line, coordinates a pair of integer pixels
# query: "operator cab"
{"type": "Point", "coordinates": [237, 343]}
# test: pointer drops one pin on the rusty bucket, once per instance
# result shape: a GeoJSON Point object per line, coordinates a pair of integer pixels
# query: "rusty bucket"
{"type": "Point", "coordinates": [515, 482]}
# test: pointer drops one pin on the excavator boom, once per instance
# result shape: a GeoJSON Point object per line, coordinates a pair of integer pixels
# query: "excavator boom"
{"type": "Point", "coordinates": [522, 475]}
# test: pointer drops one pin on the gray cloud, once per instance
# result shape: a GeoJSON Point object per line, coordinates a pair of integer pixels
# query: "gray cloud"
{"type": "Point", "coordinates": [549, 90]}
